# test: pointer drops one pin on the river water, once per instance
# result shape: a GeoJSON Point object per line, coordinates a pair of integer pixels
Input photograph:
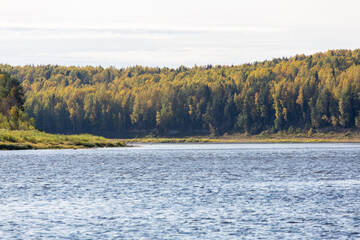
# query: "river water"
{"type": "Point", "coordinates": [182, 191]}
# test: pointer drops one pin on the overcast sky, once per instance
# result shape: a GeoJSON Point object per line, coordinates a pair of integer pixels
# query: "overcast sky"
{"type": "Point", "coordinates": [172, 33]}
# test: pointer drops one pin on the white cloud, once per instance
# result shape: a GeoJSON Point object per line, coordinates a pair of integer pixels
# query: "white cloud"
{"type": "Point", "coordinates": [66, 31]}
{"type": "Point", "coordinates": [159, 32]}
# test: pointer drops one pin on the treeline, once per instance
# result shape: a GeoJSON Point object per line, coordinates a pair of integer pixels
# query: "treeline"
{"type": "Point", "coordinates": [303, 92]}
{"type": "Point", "coordinates": [12, 100]}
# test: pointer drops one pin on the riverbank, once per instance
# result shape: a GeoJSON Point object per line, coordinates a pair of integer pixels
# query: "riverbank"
{"type": "Point", "coordinates": [33, 139]}
{"type": "Point", "coordinates": [281, 137]}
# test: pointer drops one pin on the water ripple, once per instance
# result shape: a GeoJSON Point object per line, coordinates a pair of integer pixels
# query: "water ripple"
{"type": "Point", "coordinates": [182, 191]}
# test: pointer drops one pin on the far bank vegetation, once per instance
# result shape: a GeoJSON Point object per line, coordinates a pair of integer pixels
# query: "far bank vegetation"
{"type": "Point", "coordinates": [303, 94]}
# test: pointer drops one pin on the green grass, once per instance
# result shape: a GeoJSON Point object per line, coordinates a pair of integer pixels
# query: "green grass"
{"type": "Point", "coordinates": [281, 137]}
{"type": "Point", "coordinates": [33, 139]}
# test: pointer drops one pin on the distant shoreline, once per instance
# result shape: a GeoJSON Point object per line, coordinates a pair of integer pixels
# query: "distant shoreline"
{"type": "Point", "coordinates": [33, 139]}
{"type": "Point", "coordinates": [332, 137]}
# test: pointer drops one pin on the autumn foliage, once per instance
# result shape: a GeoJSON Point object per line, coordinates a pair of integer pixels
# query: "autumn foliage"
{"type": "Point", "coordinates": [303, 92]}
{"type": "Point", "coordinates": [12, 101]}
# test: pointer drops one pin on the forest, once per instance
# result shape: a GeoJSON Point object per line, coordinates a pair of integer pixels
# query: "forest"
{"type": "Point", "coordinates": [12, 100]}
{"type": "Point", "coordinates": [319, 91]}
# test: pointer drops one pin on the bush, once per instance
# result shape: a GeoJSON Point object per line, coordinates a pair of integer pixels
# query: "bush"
{"type": "Point", "coordinates": [310, 132]}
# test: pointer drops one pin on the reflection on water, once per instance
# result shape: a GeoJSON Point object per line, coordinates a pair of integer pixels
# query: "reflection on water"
{"type": "Point", "coordinates": [182, 191]}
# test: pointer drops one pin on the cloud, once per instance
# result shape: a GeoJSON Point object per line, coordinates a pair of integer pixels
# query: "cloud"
{"type": "Point", "coordinates": [166, 57]}
{"type": "Point", "coordinates": [168, 45]}
{"type": "Point", "coordinates": [124, 31]}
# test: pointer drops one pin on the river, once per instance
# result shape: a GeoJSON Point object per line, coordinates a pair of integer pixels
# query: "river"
{"type": "Point", "coordinates": [182, 191]}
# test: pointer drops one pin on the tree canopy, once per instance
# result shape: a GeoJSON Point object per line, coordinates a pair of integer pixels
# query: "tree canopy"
{"type": "Point", "coordinates": [12, 101]}
{"type": "Point", "coordinates": [302, 92]}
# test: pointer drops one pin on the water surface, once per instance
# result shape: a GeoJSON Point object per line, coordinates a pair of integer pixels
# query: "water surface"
{"type": "Point", "coordinates": [182, 191]}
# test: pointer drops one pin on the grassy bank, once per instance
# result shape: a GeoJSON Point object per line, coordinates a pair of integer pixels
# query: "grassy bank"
{"type": "Point", "coordinates": [281, 137]}
{"type": "Point", "coordinates": [33, 139]}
